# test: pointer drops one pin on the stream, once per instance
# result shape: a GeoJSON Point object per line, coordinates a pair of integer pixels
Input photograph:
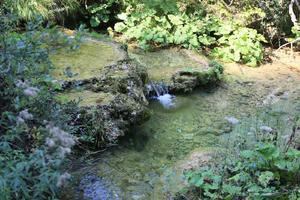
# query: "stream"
{"type": "Point", "coordinates": [148, 163]}
{"type": "Point", "coordinates": [143, 165]}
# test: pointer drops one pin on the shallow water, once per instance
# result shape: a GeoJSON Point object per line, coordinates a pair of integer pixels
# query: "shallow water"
{"type": "Point", "coordinates": [142, 165]}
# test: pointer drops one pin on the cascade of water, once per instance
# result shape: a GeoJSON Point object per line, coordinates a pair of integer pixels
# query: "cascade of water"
{"type": "Point", "coordinates": [161, 93]}
{"type": "Point", "coordinates": [159, 88]}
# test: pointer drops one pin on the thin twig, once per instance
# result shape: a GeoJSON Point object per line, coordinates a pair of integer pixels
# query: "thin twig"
{"type": "Point", "coordinates": [292, 42]}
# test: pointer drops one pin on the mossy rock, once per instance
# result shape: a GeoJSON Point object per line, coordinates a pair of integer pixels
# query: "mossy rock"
{"type": "Point", "coordinates": [187, 79]}
{"type": "Point", "coordinates": [180, 69]}
{"type": "Point", "coordinates": [108, 86]}
{"type": "Point", "coordinates": [86, 98]}
{"type": "Point", "coordinates": [87, 61]}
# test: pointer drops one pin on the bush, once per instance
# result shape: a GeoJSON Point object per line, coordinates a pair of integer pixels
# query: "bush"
{"type": "Point", "coordinates": [101, 13]}
{"type": "Point", "coordinates": [260, 162]}
{"type": "Point", "coordinates": [240, 45]}
{"type": "Point", "coordinates": [194, 30]}
{"type": "Point", "coordinates": [262, 173]}
{"type": "Point", "coordinates": [47, 9]}
{"type": "Point", "coordinates": [34, 128]}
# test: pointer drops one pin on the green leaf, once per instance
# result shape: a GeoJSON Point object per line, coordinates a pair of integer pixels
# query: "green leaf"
{"type": "Point", "coordinates": [269, 151]}
{"type": "Point", "coordinates": [176, 20]}
{"type": "Point", "coordinates": [265, 178]}
{"type": "Point", "coordinates": [122, 16]}
{"type": "Point", "coordinates": [94, 21]}
{"type": "Point", "coordinates": [231, 189]}
{"type": "Point", "coordinates": [120, 27]}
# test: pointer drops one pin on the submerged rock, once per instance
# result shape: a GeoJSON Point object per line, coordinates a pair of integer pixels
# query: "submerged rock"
{"type": "Point", "coordinates": [96, 188]}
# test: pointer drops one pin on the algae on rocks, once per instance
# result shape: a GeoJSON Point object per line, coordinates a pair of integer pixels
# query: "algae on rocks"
{"type": "Point", "coordinates": [110, 92]}
{"type": "Point", "coordinates": [180, 70]}
{"type": "Point", "coordinates": [111, 87]}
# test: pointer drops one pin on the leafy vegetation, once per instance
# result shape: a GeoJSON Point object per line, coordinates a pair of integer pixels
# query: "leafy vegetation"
{"type": "Point", "coordinates": [240, 44]}
{"type": "Point", "coordinates": [261, 173]}
{"type": "Point", "coordinates": [260, 163]}
{"type": "Point", "coordinates": [35, 131]}
{"type": "Point", "coordinates": [47, 9]}
{"type": "Point", "coordinates": [191, 29]}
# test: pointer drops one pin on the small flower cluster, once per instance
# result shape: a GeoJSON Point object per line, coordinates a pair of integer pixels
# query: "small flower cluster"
{"type": "Point", "coordinates": [28, 90]}
{"type": "Point", "coordinates": [31, 91]}
{"type": "Point", "coordinates": [59, 140]}
{"type": "Point", "coordinates": [63, 179]}
{"type": "Point", "coordinates": [232, 120]}
{"type": "Point", "coordinates": [24, 115]}
{"type": "Point", "coordinates": [266, 129]}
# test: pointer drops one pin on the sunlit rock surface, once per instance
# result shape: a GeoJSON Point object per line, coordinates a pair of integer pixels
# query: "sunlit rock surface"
{"type": "Point", "coordinates": [182, 70]}
{"type": "Point", "coordinates": [107, 85]}
{"type": "Point", "coordinates": [86, 62]}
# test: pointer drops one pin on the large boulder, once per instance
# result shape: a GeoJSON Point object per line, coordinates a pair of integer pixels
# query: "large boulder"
{"type": "Point", "coordinates": [108, 87]}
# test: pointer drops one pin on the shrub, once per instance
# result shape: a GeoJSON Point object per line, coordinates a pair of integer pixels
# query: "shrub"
{"type": "Point", "coordinates": [260, 162]}
{"type": "Point", "coordinates": [47, 9]}
{"type": "Point", "coordinates": [261, 173]}
{"type": "Point", "coordinates": [34, 128]}
{"type": "Point", "coordinates": [101, 13]}
{"type": "Point", "coordinates": [240, 45]}
{"type": "Point", "coordinates": [149, 27]}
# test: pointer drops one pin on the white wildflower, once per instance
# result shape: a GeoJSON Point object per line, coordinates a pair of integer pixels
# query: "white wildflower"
{"type": "Point", "coordinates": [21, 84]}
{"type": "Point", "coordinates": [60, 139]}
{"type": "Point", "coordinates": [20, 120]}
{"type": "Point", "coordinates": [63, 151]}
{"type": "Point", "coordinates": [25, 115]}
{"type": "Point", "coordinates": [31, 91]}
{"type": "Point", "coordinates": [50, 142]}
{"type": "Point", "coordinates": [266, 129]}
{"type": "Point", "coordinates": [232, 120]}
{"type": "Point", "coordinates": [62, 179]}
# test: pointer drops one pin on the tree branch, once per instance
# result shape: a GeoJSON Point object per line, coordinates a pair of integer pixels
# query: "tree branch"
{"type": "Point", "coordinates": [291, 12]}
{"type": "Point", "coordinates": [292, 42]}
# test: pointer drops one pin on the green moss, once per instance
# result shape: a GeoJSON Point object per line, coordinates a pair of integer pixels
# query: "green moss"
{"type": "Point", "coordinates": [86, 97]}
{"type": "Point", "coordinates": [162, 64]}
{"type": "Point", "coordinates": [87, 61]}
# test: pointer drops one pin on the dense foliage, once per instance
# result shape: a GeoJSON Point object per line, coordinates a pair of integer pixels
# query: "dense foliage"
{"type": "Point", "coordinates": [260, 173]}
{"type": "Point", "coordinates": [35, 131]}
{"type": "Point", "coordinates": [47, 9]}
{"type": "Point", "coordinates": [260, 163]}
{"type": "Point", "coordinates": [187, 23]}
{"type": "Point", "coordinates": [191, 28]}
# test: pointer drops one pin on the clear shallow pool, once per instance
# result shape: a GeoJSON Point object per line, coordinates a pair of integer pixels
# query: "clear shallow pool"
{"type": "Point", "coordinates": [142, 165]}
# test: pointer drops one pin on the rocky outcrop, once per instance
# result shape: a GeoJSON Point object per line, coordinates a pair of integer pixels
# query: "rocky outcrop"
{"type": "Point", "coordinates": [186, 80]}
{"type": "Point", "coordinates": [180, 70]}
{"type": "Point", "coordinates": [111, 88]}
{"type": "Point", "coordinates": [110, 93]}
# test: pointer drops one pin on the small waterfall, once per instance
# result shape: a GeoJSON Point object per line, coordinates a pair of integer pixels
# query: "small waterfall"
{"type": "Point", "coordinates": [160, 92]}
{"type": "Point", "coordinates": [157, 88]}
